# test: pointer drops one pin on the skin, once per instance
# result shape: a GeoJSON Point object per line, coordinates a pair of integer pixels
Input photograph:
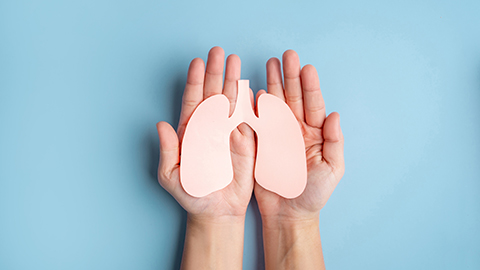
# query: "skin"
{"type": "Point", "coordinates": [291, 226]}
{"type": "Point", "coordinates": [215, 223]}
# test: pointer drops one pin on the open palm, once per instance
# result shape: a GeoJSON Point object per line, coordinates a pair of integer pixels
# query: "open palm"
{"type": "Point", "coordinates": [232, 201]}
{"type": "Point", "coordinates": [323, 138]}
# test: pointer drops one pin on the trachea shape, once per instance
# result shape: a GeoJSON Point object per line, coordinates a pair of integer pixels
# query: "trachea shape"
{"type": "Point", "coordinates": [206, 165]}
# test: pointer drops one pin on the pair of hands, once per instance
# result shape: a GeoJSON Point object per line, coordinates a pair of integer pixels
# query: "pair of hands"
{"type": "Point", "coordinates": [323, 141]}
{"type": "Point", "coordinates": [215, 222]}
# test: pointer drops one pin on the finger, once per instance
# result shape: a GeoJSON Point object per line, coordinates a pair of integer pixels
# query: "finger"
{"type": "Point", "coordinates": [246, 130]}
{"type": "Point", "coordinates": [259, 93]}
{"type": "Point", "coordinates": [333, 143]}
{"type": "Point", "coordinates": [232, 74]}
{"type": "Point", "coordinates": [193, 94]}
{"type": "Point", "coordinates": [274, 78]}
{"type": "Point", "coordinates": [214, 72]}
{"type": "Point", "coordinates": [169, 155]}
{"type": "Point", "coordinates": [312, 97]}
{"type": "Point", "coordinates": [242, 146]}
{"type": "Point", "coordinates": [293, 86]}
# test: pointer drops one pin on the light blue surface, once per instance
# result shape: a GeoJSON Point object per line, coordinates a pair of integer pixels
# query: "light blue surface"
{"type": "Point", "coordinates": [83, 83]}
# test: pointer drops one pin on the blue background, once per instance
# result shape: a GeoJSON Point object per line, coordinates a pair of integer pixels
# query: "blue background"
{"type": "Point", "coordinates": [83, 83]}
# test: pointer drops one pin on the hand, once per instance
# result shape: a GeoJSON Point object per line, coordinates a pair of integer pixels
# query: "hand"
{"type": "Point", "coordinates": [323, 141]}
{"type": "Point", "coordinates": [215, 224]}
{"type": "Point", "coordinates": [291, 233]}
{"type": "Point", "coordinates": [232, 201]}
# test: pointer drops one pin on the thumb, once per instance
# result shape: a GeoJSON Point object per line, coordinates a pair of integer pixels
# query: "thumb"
{"type": "Point", "coordinates": [333, 143]}
{"type": "Point", "coordinates": [169, 154]}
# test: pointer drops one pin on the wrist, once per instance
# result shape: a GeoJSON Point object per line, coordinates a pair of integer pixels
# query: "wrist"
{"type": "Point", "coordinates": [213, 242]}
{"type": "Point", "coordinates": [290, 231]}
{"type": "Point", "coordinates": [215, 221]}
{"type": "Point", "coordinates": [290, 223]}
{"type": "Point", "coordinates": [216, 232]}
{"type": "Point", "coordinates": [292, 243]}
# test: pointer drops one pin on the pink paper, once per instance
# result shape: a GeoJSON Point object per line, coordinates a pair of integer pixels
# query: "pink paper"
{"type": "Point", "coordinates": [206, 164]}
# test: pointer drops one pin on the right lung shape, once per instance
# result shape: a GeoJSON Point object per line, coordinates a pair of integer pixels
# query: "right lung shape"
{"type": "Point", "coordinates": [206, 165]}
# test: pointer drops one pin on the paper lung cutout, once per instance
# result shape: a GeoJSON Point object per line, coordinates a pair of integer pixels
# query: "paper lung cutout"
{"type": "Point", "coordinates": [206, 164]}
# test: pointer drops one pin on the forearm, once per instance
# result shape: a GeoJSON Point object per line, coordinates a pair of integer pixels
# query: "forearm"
{"type": "Point", "coordinates": [292, 245]}
{"type": "Point", "coordinates": [213, 243]}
